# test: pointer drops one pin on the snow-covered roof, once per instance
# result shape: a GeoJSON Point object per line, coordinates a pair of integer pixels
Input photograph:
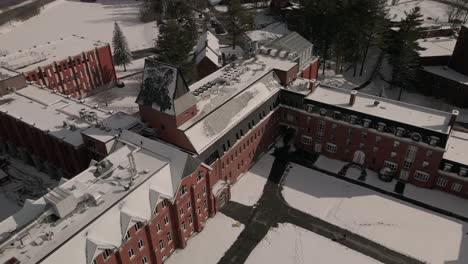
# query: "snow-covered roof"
{"type": "Point", "coordinates": [164, 88]}
{"type": "Point", "coordinates": [226, 96]}
{"type": "Point", "coordinates": [300, 86]}
{"type": "Point", "coordinates": [434, 47]}
{"type": "Point", "coordinates": [52, 112]}
{"type": "Point", "coordinates": [208, 46]}
{"type": "Point", "coordinates": [269, 33]}
{"type": "Point", "coordinates": [448, 73]}
{"type": "Point", "coordinates": [42, 55]}
{"type": "Point", "coordinates": [105, 210]}
{"type": "Point", "coordinates": [219, 122]}
{"type": "Point", "coordinates": [7, 74]}
{"type": "Point", "coordinates": [457, 147]}
{"type": "Point", "coordinates": [409, 114]}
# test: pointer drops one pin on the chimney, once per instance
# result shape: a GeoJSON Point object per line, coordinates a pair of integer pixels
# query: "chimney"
{"type": "Point", "coordinates": [453, 118]}
{"type": "Point", "coordinates": [352, 97]}
{"type": "Point", "coordinates": [312, 86]}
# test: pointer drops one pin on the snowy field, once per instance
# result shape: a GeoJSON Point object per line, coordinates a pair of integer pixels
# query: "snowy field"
{"type": "Point", "coordinates": [328, 164]}
{"type": "Point", "coordinates": [94, 21]}
{"type": "Point", "coordinates": [403, 227]}
{"type": "Point", "coordinates": [249, 188]}
{"type": "Point", "coordinates": [208, 246]}
{"type": "Point", "coordinates": [119, 99]}
{"type": "Point", "coordinates": [289, 244]}
{"type": "Point", "coordinates": [135, 67]}
{"type": "Point", "coordinates": [432, 11]}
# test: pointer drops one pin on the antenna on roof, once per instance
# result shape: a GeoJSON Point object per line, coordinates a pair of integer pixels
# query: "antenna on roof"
{"type": "Point", "coordinates": [131, 160]}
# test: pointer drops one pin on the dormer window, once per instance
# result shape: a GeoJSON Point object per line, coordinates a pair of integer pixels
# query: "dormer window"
{"type": "Point", "coordinates": [381, 127]}
{"type": "Point", "coordinates": [366, 123]}
{"type": "Point", "coordinates": [448, 167]}
{"type": "Point", "coordinates": [434, 141]}
{"type": "Point", "coordinates": [463, 172]}
{"type": "Point", "coordinates": [310, 108]}
{"type": "Point", "coordinates": [352, 119]}
{"type": "Point", "coordinates": [399, 131]}
{"type": "Point", "coordinates": [183, 190]}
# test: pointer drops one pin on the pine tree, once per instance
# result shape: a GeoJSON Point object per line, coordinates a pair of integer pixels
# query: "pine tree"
{"type": "Point", "coordinates": [175, 43]}
{"type": "Point", "coordinates": [238, 21]}
{"type": "Point", "coordinates": [122, 54]}
{"type": "Point", "coordinates": [403, 49]}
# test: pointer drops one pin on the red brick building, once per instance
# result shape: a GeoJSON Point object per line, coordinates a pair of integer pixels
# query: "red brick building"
{"type": "Point", "coordinates": [73, 66]}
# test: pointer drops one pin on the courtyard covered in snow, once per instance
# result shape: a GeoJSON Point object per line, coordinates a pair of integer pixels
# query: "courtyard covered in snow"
{"type": "Point", "coordinates": [289, 244]}
{"type": "Point", "coordinates": [397, 225]}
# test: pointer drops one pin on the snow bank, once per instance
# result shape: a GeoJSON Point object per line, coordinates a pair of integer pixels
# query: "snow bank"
{"type": "Point", "coordinates": [94, 21]}
{"type": "Point", "coordinates": [249, 188]}
{"type": "Point", "coordinates": [403, 227]}
{"type": "Point", "coordinates": [209, 245]}
{"type": "Point", "coordinates": [289, 244]}
{"type": "Point", "coordinates": [328, 164]}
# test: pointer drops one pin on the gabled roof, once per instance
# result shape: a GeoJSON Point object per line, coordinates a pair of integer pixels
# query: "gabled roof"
{"type": "Point", "coordinates": [164, 88]}
{"type": "Point", "coordinates": [292, 42]}
{"type": "Point", "coordinates": [94, 247]}
{"type": "Point", "coordinates": [208, 47]}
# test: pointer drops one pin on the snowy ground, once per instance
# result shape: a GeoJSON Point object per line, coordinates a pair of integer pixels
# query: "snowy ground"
{"type": "Point", "coordinates": [289, 244]}
{"type": "Point", "coordinates": [94, 21]}
{"type": "Point", "coordinates": [119, 99]}
{"type": "Point", "coordinates": [434, 198]}
{"type": "Point", "coordinates": [249, 188]}
{"type": "Point", "coordinates": [390, 222]}
{"type": "Point", "coordinates": [136, 67]}
{"type": "Point", "coordinates": [432, 11]}
{"type": "Point", "coordinates": [209, 246]}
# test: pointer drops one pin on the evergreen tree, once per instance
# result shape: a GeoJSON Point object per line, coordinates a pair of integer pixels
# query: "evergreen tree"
{"type": "Point", "coordinates": [122, 54]}
{"type": "Point", "coordinates": [238, 21]}
{"type": "Point", "coordinates": [175, 43]}
{"type": "Point", "coordinates": [403, 49]}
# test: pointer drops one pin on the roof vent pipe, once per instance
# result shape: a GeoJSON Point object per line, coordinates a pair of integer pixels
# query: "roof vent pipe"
{"type": "Point", "coordinates": [453, 118]}
{"type": "Point", "coordinates": [352, 97]}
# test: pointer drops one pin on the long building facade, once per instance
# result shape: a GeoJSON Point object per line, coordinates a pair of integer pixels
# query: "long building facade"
{"type": "Point", "coordinates": [152, 184]}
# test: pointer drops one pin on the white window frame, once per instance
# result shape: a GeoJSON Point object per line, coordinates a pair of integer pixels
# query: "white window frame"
{"type": "Point", "coordinates": [141, 244]}
{"type": "Point", "coordinates": [169, 237]}
{"type": "Point", "coordinates": [456, 187]}
{"type": "Point", "coordinates": [391, 165]}
{"type": "Point", "coordinates": [131, 253]}
{"type": "Point", "coordinates": [137, 226]}
{"type": "Point", "coordinates": [127, 236]}
{"type": "Point", "coordinates": [442, 182]}
{"type": "Point", "coordinates": [421, 176]}
{"type": "Point", "coordinates": [166, 220]}
{"type": "Point", "coordinates": [106, 254]}
{"type": "Point", "coordinates": [158, 227]}
{"type": "Point", "coordinates": [161, 244]}
{"type": "Point", "coordinates": [189, 204]}
{"type": "Point", "coordinates": [144, 260]}
{"type": "Point", "coordinates": [181, 210]}
{"type": "Point", "coordinates": [332, 148]}
{"type": "Point", "coordinates": [306, 140]}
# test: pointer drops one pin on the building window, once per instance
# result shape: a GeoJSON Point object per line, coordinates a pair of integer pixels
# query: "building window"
{"type": "Point", "coordinates": [181, 211]}
{"type": "Point", "coordinates": [183, 191]}
{"type": "Point", "coordinates": [429, 154]}
{"type": "Point", "coordinates": [198, 210]}
{"type": "Point", "coordinates": [457, 187]}
{"type": "Point", "coordinates": [155, 212]}
{"type": "Point", "coordinates": [442, 182]}
{"type": "Point", "coordinates": [158, 227]}
{"type": "Point", "coordinates": [161, 244]}
{"type": "Point", "coordinates": [127, 236]}
{"type": "Point", "coordinates": [184, 227]}
{"type": "Point", "coordinates": [391, 165]}
{"type": "Point", "coordinates": [306, 140]}
{"type": "Point", "coordinates": [396, 144]}
{"type": "Point", "coordinates": [378, 139]}
{"type": "Point", "coordinates": [198, 194]}
{"type": "Point", "coordinates": [332, 148]}
{"type": "Point", "coordinates": [375, 149]}
{"type": "Point", "coordinates": [144, 260]}
{"type": "Point", "coordinates": [407, 164]}
{"type": "Point", "coordinates": [137, 226]}
{"type": "Point", "coordinates": [199, 176]}
{"type": "Point", "coordinates": [463, 172]}
{"type": "Point", "coordinates": [425, 164]}
{"type": "Point", "coordinates": [164, 203]}
{"type": "Point", "coordinates": [189, 204]}
{"type": "Point", "coordinates": [204, 189]}
{"type": "Point", "coordinates": [131, 253]}
{"type": "Point", "coordinates": [421, 176]}
{"type": "Point", "coordinates": [190, 219]}
{"type": "Point", "coordinates": [140, 244]}
{"type": "Point", "coordinates": [166, 220]}
{"type": "Point", "coordinates": [205, 204]}
{"type": "Point", "coordinates": [448, 167]}
{"type": "Point", "coordinates": [94, 261]}
{"type": "Point", "coordinates": [169, 237]}
{"type": "Point", "coordinates": [106, 254]}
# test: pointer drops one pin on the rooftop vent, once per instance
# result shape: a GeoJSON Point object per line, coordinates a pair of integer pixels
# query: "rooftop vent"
{"type": "Point", "coordinates": [376, 103]}
{"type": "Point", "coordinates": [62, 201]}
